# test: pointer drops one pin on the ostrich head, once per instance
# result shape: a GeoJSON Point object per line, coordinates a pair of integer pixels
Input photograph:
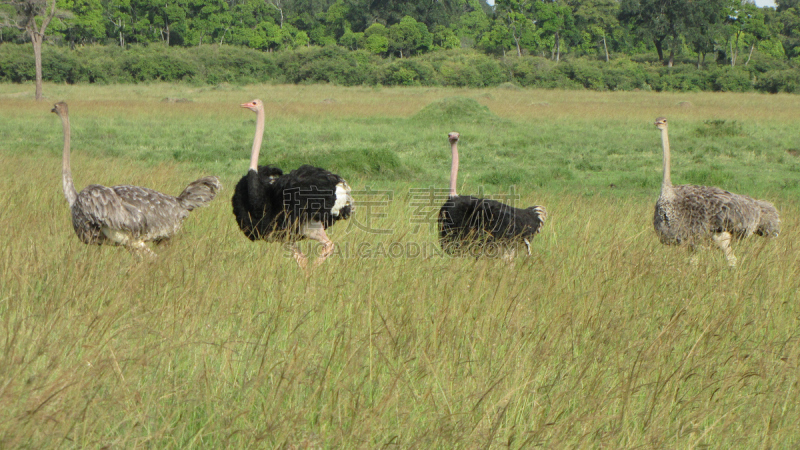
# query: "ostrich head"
{"type": "Point", "coordinates": [453, 136]}
{"type": "Point", "coordinates": [60, 108]}
{"type": "Point", "coordinates": [661, 123]}
{"type": "Point", "coordinates": [254, 105]}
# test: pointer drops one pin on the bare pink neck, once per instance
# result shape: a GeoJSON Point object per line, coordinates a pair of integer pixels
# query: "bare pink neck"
{"type": "Point", "coordinates": [66, 171]}
{"type": "Point", "coordinates": [453, 168]}
{"type": "Point", "coordinates": [666, 183]}
{"type": "Point", "coordinates": [257, 140]}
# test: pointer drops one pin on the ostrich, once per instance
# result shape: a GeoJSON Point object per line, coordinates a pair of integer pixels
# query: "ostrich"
{"type": "Point", "coordinates": [689, 215]}
{"type": "Point", "coordinates": [128, 215]}
{"type": "Point", "coordinates": [271, 206]}
{"type": "Point", "coordinates": [468, 225]}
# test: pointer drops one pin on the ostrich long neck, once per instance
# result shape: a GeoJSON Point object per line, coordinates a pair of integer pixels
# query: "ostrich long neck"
{"type": "Point", "coordinates": [257, 140]}
{"type": "Point", "coordinates": [66, 171]}
{"type": "Point", "coordinates": [454, 168]}
{"type": "Point", "coordinates": [666, 183]}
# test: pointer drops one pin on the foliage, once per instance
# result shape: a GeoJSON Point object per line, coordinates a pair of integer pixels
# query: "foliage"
{"type": "Point", "coordinates": [214, 64]}
{"type": "Point", "coordinates": [650, 33]}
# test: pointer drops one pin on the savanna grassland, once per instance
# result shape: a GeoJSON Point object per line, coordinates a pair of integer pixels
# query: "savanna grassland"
{"type": "Point", "coordinates": [602, 338]}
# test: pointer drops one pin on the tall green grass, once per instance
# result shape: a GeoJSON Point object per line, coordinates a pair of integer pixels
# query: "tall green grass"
{"type": "Point", "coordinates": [602, 337]}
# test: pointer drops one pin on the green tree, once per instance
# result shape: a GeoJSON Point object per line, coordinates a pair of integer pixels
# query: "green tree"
{"type": "Point", "coordinates": [351, 40]}
{"type": "Point", "coordinates": [117, 14]}
{"type": "Point", "coordinates": [554, 17]}
{"type": "Point", "coordinates": [445, 38]}
{"type": "Point", "coordinates": [409, 36]}
{"type": "Point", "coordinates": [32, 17]}
{"type": "Point", "coordinates": [207, 21]}
{"type": "Point", "coordinates": [666, 22]}
{"type": "Point", "coordinates": [597, 19]}
{"type": "Point", "coordinates": [514, 14]}
{"type": "Point", "coordinates": [788, 14]}
{"type": "Point", "coordinates": [472, 24]}
{"type": "Point", "coordinates": [376, 39]}
{"type": "Point", "coordinates": [85, 24]}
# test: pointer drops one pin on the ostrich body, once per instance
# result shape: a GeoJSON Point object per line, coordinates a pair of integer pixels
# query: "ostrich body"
{"type": "Point", "coordinates": [128, 215]}
{"type": "Point", "coordinates": [271, 206]}
{"type": "Point", "coordinates": [691, 215]}
{"type": "Point", "coordinates": [474, 226]}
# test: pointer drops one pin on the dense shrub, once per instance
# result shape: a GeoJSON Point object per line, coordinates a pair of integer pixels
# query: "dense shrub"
{"type": "Point", "coordinates": [733, 79]}
{"type": "Point", "coordinates": [535, 71]}
{"type": "Point", "coordinates": [625, 75]}
{"type": "Point", "coordinates": [329, 64]}
{"type": "Point", "coordinates": [16, 63]}
{"type": "Point", "coordinates": [158, 63]}
{"type": "Point", "coordinates": [233, 64]}
{"type": "Point", "coordinates": [779, 81]}
{"type": "Point", "coordinates": [214, 64]}
{"type": "Point", "coordinates": [464, 67]}
{"type": "Point", "coordinates": [585, 72]}
{"type": "Point", "coordinates": [684, 78]}
{"type": "Point", "coordinates": [409, 72]}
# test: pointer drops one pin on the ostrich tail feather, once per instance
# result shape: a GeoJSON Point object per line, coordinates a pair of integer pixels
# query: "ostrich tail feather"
{"type": "Point", "coordinates": [541, 213]}
{"type": "Point", "coordinates": [769, 223]}
{"type": "Point", "coordinates": [200, 192]}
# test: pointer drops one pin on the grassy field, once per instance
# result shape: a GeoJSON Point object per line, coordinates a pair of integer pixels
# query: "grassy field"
{"type": "Point", "coordinates": [602, 338]}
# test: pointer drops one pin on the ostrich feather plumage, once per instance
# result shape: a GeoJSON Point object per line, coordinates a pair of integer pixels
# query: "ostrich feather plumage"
{"type": "Point", "coordinates": [128, 215]}
{"type": "Point", "coordinates": [482, 227]}
{"type": "Point", "coordinates": [694, 215]}
{"type": "Point", "coordinates": [272, 206]}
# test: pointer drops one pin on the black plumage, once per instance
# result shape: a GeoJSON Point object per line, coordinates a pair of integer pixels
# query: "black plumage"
{"type": "Point", "coordinates": [482, 227]}
{"type": "Point", "coordinates": [271, 206]}
{"type": "Point", "coordinates": [274, 207]}
{"type": "Point", "coordinates": [477, 226]}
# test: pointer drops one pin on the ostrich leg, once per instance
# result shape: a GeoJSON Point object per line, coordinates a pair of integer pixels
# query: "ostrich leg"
{"type": "Point", "coordinates": [316, 231]}
{"type": "Point", "coordinates": [723, 241]}
{"type": "Point", "coordinates": [301, 259]}
{"type": "Point", "coordinates": [140, 251]}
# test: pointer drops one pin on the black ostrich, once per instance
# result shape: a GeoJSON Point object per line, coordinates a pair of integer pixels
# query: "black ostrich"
{"type": "Point", "coordinates": [271, 206]}
{"type": "Point", "coordinates": [477, 226]}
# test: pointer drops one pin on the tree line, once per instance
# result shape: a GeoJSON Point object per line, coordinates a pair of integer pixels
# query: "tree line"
{"type": "Point", "coordinates": [729, 29]}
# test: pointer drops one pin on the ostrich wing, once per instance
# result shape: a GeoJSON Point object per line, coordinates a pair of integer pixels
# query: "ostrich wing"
{"type": "Point", "coordinates": [163, 214]}
{"type": "Point", "coordinates": [142, 212]}
{"type": "Point", "coordinates": [508, 222]}
{"type": "Point", "coordinates": [711, 209]}
{"type": "Point", "coordinates": [312, 193]}
{"type": "Point", "coordinates": [98, 207]}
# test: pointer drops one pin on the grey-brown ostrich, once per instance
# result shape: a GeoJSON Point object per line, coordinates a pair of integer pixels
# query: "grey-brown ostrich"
{"type": "Point", "coordinates": [692, 215]}
{"type": "Point", "coordinates": [128, 215]}
{"type": "Point", "coordinates": [475, 226]}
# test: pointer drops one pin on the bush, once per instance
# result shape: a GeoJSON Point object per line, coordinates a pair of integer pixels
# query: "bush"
{"type": "Point", "coordinates": [779, 81]}
{"type": "Point", "coordinates": [624, 75]}
{"type": "Point", "coordinates": [16, 63]}
{"type": "Point", "coordinates": [733, 79]}
{"type": "Point", "coordinates": [584, 73]}
{"type": "Point", "coordinates": [215, 64]}
{"type": "Point", "coordinates": [409, 72]}
{"type": "Point", "coordinates": [329, 64]}
{"type": "Point", "coordinates": [686, 78]}
{"type": "Point", "coordinates": [156, 62]}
